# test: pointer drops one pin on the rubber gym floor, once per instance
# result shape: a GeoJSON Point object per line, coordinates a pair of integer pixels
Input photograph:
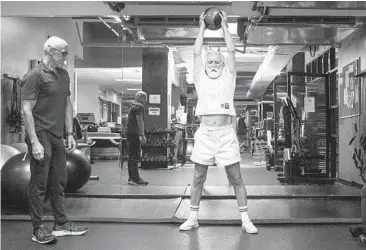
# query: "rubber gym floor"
{"type": "Point", "coordinates": [128, 217]}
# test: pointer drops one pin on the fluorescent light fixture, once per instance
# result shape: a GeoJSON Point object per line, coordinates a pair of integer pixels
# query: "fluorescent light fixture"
{"type": "Point", "coordinates": [134, 89]}
{"type": "Point", "coordinates": [181, 65]}
{"type": "Point", "coordinates": [117, 18]}
{"type": "Point", "coordinates": [128, 80]}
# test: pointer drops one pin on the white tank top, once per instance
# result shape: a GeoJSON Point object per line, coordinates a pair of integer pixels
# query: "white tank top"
{"type": "Point", "coordinates": [215, 96]}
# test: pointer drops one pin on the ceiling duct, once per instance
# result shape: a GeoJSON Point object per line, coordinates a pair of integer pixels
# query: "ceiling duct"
{"type": "Point", "coordinates": [275, 60]}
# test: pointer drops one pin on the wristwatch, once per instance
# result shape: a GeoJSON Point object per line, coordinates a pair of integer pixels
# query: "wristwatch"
{"type": "Point", "coordinates": [70, 133]}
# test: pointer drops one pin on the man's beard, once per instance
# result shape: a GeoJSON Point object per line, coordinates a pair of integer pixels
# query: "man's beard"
{"type": "Point", "coordinates": [213, 74]}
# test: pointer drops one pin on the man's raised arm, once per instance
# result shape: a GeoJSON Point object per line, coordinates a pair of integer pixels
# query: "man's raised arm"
{"type": "Point", "coordinates": [198, 63]}
{"type": "Point", "coordinates": [229, 44]}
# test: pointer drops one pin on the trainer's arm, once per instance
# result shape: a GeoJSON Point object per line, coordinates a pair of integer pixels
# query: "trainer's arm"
{"type": "Point", "coordinates": [229, 44]}
{"type": "Point", "coordinates": [198, 63]}
{"type": "Point", "coordinates": [69, 117]}
{"type": "Point", "coordinates": [27, 107]}
{"type": "Point", "coordinates": [141, 125]}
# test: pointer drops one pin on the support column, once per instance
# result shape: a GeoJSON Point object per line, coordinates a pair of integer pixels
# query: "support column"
{"type": "Point", "coordinates": [298, 65]}
{"type": "Point", "coordinates": [155, 82]}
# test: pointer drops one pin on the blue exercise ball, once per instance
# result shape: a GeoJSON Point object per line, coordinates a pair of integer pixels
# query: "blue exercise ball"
{"type": "Point", "coordinates": [212, 18]}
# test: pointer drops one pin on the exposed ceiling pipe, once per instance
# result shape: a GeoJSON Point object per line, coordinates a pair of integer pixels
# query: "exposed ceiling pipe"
{"type": "Point", "coordinates": [252, 21]}
{"type": "Point", "coordinates": [275, 60]}
{"type": "Point", "coordinates": [106, 24]}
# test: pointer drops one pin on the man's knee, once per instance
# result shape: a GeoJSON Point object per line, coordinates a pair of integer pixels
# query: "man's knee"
{"type": "Point", "coordinates": [199, 178]}
{"type": "Point", "coordinates": [38, 187]}
{"type": "Point", "coordinates": [234, 175]}
{"type": "Point", "coordinates": [235, 179]}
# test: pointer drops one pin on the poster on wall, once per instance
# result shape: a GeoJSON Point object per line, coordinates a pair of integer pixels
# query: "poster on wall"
{"type": "Point", "coordinates": [154, 99]}
{"type": "Point", "coordinates": [154, 111]}
{"type": "Point", "coordinates": [309, 104]}
{"type": "Point", "coordinates": [349, 90]}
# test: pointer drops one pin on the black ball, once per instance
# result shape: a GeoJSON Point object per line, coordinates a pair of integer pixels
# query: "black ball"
{"type": "Point", "coordinates": [212, 18]}
{"type": "Point", "coordinates": [78, 170]}
{"type": "Point", "coordinates": [15, 177]}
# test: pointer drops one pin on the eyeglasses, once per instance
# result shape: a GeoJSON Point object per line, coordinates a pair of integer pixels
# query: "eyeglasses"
{"type": "Point", "coordinates": [64, 54]}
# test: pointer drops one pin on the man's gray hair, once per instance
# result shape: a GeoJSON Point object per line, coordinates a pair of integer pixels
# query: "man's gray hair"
{"type": "Point", "coordinates": [140, 94]}
{"type": "Point", "coordinates": [216, 53]}
{"type": "Point", "coordinates": [54, 42]}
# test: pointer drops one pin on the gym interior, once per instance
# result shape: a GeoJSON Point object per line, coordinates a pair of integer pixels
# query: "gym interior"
{"type": "Point", "coordinates": [300, 88]}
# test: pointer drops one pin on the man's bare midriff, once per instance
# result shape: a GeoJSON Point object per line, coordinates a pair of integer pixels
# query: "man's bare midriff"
{"type": "Point", "coordinates": [216, 120]}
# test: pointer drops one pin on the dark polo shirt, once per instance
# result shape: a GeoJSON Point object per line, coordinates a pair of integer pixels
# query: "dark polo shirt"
{"type": "Point", "coordinates": [136, 109]}
{"type": "Point", "coordinates": [51, 90]}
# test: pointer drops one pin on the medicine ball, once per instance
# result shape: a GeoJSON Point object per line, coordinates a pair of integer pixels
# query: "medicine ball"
{"type": "Point", "coordinates": [212, 18]}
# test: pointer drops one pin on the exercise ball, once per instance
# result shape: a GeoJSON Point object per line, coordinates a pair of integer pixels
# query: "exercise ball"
{"type": "Point", "coordinates": [22, 147]}
{"type": "Point", "coordinates": [6, 153]}
{"type": "Point", "coordinates": [15, 176]}
{"type": "Point", "coordinates": [212, 18]}
{"type": "Point", "coordinates": [78, 170]}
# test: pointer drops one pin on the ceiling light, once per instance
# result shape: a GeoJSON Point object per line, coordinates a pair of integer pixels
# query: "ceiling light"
{"type": "Point", "coordinates": [134, 89]}
{"type": "Point", "coordinates": [128, 80]}
{"type": "Point", "coordinates": [117, 18]}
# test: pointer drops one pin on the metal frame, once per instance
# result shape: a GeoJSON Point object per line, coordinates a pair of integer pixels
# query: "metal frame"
{"type": "Point", "coordinates": [275, 124]}
{"type": "Point", "coordinates": [330, 170]}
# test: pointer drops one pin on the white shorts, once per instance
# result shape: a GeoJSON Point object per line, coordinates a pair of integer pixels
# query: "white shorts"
{"type": "Point", "coordinates": [215, 144]}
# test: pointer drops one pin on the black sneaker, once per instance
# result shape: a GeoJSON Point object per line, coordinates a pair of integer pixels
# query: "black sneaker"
{"type": "Point", "coordinates": [139, 182]}
{"type": "Point", "coordinates": [43, 236]}
{"type": "Point", "coordinates": [68, 228]}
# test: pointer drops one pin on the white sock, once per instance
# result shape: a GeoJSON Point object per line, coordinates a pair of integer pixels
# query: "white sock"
{"type": "Point", "coordinates": [244, 214]}
{"type": "Point", "coordinates": [194, 212]}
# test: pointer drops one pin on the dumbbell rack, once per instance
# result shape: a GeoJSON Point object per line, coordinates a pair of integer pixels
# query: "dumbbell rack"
{"type": "Point", "coordinates": [158, 152]}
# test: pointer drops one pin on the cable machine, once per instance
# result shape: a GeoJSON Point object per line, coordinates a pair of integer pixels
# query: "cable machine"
{"type": "Point", "coordinates": [306, 159]}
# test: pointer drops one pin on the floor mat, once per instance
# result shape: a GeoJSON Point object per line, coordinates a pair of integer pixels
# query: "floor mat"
{"type": "Point", "coordinates": [272, 191]}
{"type": "Point", "coordinates": [95, 190]}
{"type": "Point", "coordinates": [113, 210]}
{"type": "Point", "coordinates": [275, 211]}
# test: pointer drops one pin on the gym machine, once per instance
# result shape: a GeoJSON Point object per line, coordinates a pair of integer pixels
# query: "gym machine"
{"type": "Point", "coordinates": [296, 160]}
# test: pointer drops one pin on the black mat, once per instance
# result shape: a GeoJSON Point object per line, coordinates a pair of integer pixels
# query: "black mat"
{"type": "Point", "coordinates": [113, 210]}
{"type": "Point", "coordinates": [95, 190]}
{"type": "Point", "coordinates": [109, 173]}
{"type": "Point", "coordinates": [276, 211]}
{"type": "Point", "coordinates": [211, 211]}
{"type": "Point", "coordinates": [271, 191]}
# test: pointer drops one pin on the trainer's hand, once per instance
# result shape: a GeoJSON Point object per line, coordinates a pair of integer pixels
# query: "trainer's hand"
{"type": "Point", "coordinates": [202, 20]}
{"type": "Point", "coordinates": [223, 16]}
{"type": "Point", "coordinates": [143, 139]}
{"type": "Point", "coordinates": [37, 151]}
{"type": "Point", "coordinates": [71, 143]}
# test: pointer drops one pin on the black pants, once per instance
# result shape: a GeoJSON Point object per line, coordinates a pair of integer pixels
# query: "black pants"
{"type": "Point", "coordinates": [48, 176]}
{"type": "Point", "coordinates": [134, 151]}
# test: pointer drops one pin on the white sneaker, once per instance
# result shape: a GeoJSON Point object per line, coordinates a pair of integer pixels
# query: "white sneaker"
{"type": "Point", "coordinates": [249, 227]}
{"type": "Point", "coordinates": [189, 224]}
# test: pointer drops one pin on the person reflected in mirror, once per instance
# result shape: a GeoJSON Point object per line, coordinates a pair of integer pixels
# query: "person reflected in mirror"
{"type": "Point", "coordinates": [136, 137]}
